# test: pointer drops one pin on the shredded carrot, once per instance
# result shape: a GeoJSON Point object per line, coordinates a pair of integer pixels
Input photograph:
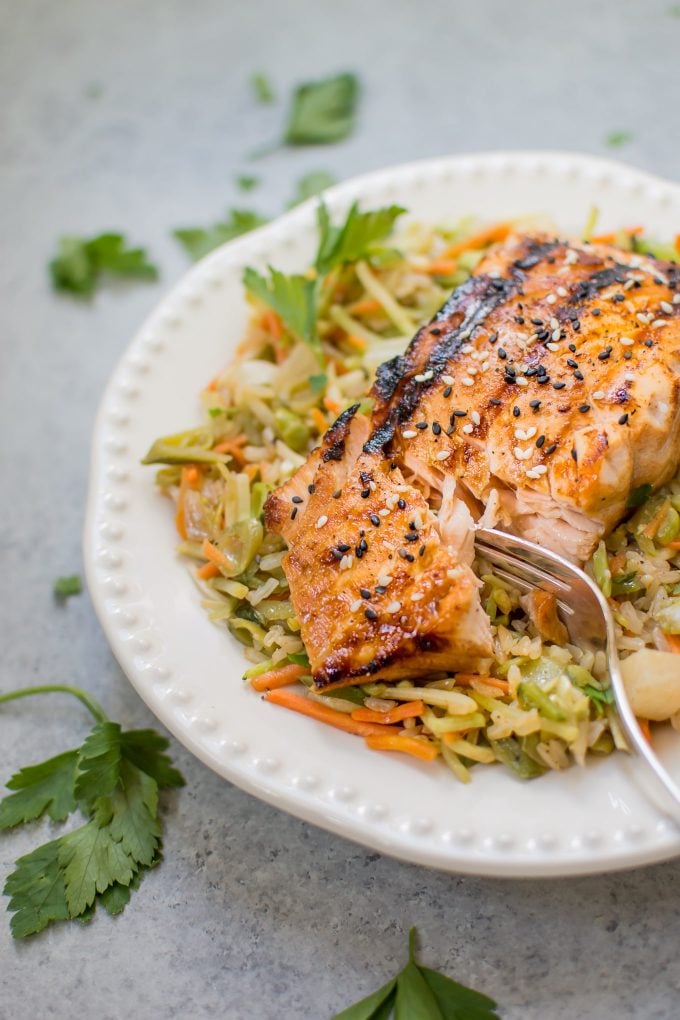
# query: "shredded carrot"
{"type": "Point", "coordinates": [409, 710]}
{"type": "Point", "coordinates": [357, 342]}
{"type": "Point", "coordinates": [331, 405]}
{"type": "Point", "coordinates": [212, 385]}
{"type": "Point", "coordinates": [674, 545]}
{"type": "Point", "coordinates": [441, 267]}
{"type": "Point", "coordinates": [633, 231]}
{"type": "Point", "coordinates": [320, 423]}
{"type": "Point", "coordinates": [465, 680]}
{"type": "Point", "coordinates": [189, 479]}
{"type": "Point", "coordinates": [339, 367]}
{"type": "Point", "coordinates": [213, 554]}
{"type": "Point", "coordinates": [251, 470]}
{"type": "Point", "coordinates": [207, 571]}
{"type": "Point", "coordinates": [603, 239]}
{"type": "Point", "coordinates": [409, 745]}
{"type": "Point", "coordinates": [272, 323]}
{"type": "Point", "coordinates": [366, 306]}
{"type": "Point", "coordinates": [233, 447]}
{"type": "Point", "coordinates": [280, 677]}
{"type": "Point", "coordinates": [324, 714]}
{"type": "Point", "coordinates": [655, 523]}
{"type": "Point", "coordinates": [496, 232]}
{"type": "Point", "coordinates": [677, 243]}
{"type": "Point", "coordinates": [673, 642]}
{"type": "Point", "coordinates": [646, 731]}
{"type": "Point", "coordinates": [451, 738]}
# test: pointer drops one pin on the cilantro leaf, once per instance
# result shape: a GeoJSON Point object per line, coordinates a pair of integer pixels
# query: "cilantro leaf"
{"type": "Point", "coordinates": [262, 87]}
{"type": "Point", "coordinates": [353, 240]}
{"type": "Point", "coordinates": [639, 496]}
{"type": "Point", "coordinates": [198, 241]}
{"type": "Point", "coordinates": [293, 298]}
{"type": "Point", "coordinates": [310, 185]}
{"type": "Point", "coordinates": [91, 860]}
{"type": "Point", "coordinates": [65, 587]}
{"type": "Point", "coordinates": [323, 111]}
{"type": "Point", "coordinates": [81, 263]}
{"type": "Point", "coordinates": [47, 787]}
{"type": "Point", "coordinates": [615, 139]}
{"type": "Point", "coordinates": [37, 891]}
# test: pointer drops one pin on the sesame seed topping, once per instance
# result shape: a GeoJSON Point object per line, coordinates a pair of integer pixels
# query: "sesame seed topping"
{"type": "Point", "coordinates": [629, 377]}
{"type": "Point", "coordinates": [409, 434]}
{"type": "Point", "coordinates": [676, 299]}
{"type": "Point", "coordinates": [559, 385]}
{"type": "Point", "coordinates": [659, 323]}
{"type": "Point", "coordinates": [448, 379]}
{"type": "Point", "coordinates": [554, 324]}
{"type": "Point", "coordinates": [365, 493]}
{"type": "Point", "coordinates": [355, 605]}
{"type": "Point", "coordinates": [421, 425]}
{"type": "Point", "coordinates": [535, 404]}
{"type": "Point", "coordinates": [293, 513]}
{"type": "Point", "coordinates": [574, 454]}
{"type": "Point", "coordinates": [521, 381]}
{"type": "Point", "coordinates": [310, 489]}
{"type": "Point", "coordinates": [551, 299]}
{"type": "Point", "coordinates": [583, 408]}
{"type": "Point", "coordinates": [550, 449]}
{"type": "Point", "coordinates": [447, 391]}
{"type": "Point", "coordinates": [552, 347]}
{"type": "Point", "coordinates": [417, 596]}
{"type": "Point", "coordinates": [436, 428]}
{"type": "Point", "coordinates": [384, 512]}
{"type": "Point", "coordinates": [394, 607]}
{"type": "Point", "coordinates": [459, 414]}
{"type": "Point", "coordinates": [370, 614]}
{"type": "Point", "coordinates": [556, 334]}
{"type": "Point", "coordinates": [531, 432]}
{"type": "Point", "coordinates": [562, 291]}
{"type": "Point", "coordinates": [502, 353]}
{"type": "Point", "coordinates": [599, 395]}
{"type": "Point", "coordinates": [442, 455]}
{"type": "Point", "coordinates": [297, 499]}
{"type": "Point", "coordinates": [384, 580]}
{"type": "Point", "coordinates": [320, 521]}
{"type": "Point", "coordinates": [666, 307]}
{"type": "Point", "coordinates": [623, 419]}
{"type": "Point", "coordinates": [626, 341]}
{"type": "Point", "coordinates": [467, 429]}
{"type": "Point", "coordinates": [374, 519]}
{"type": "Point", "coordinates": [424, 376]}
{"type": "Point", "coordinates": [466, 381]}
{"type": "Point", "coordinates": [401, 503]}
{"type": "Point", "coordinates": [578, 375]}
{"type": "Point", "coordinates": [540, 441]}
{"type": "Point", "coordinates": [475, 417]}
{"type": "Point", "coordinates": [346, 562]}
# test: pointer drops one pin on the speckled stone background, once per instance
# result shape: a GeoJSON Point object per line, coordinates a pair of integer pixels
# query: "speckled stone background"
{"type": "Point", "coordinates": [138, 116]}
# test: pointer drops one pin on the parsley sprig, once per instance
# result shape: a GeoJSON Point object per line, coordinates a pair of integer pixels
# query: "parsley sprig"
{"type": "Point", "coordinates": [113, 779]}
{"type": "Point", "coordinates": [82, 263]}
{"type": "Point", "coordinates": [422, 993]}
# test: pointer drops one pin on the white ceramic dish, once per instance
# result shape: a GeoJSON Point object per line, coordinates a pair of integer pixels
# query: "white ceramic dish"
{"type": "Point", "coordinates": [188, 670]}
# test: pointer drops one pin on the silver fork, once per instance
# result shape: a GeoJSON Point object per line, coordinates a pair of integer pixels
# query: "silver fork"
{"type": "Point", "coordinates": [588, 619]}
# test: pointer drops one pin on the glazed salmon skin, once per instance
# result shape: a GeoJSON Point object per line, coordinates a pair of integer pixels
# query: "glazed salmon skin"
{"type": "Point", "coordinates": [543, 393]}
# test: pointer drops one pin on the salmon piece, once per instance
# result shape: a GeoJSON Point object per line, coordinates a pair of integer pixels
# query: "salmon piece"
{"type": "Point", "coordinates": [377, 592]}
{"type": "Point", "coordinates": [546, 388]}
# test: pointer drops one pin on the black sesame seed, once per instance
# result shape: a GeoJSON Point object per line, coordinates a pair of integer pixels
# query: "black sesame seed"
{"type": "Point", "coordinates": [293, 513]}
{"type": "Point", "coordinates": [363, 545]}
{"type": "Point", "coordinates": [540, 441]}
{"type": "Point", "coordinates": [649, 343]}
{"type": "Point", "coordinates": [541, 379]}
{"type": "Point", "coordinates": [401, 503]}
{"type": "Point", "coordinates": [410, 557]}
{"type": "Point", "coordinates": [493, 338]}
{"type": "Point", "coordinates": [572, 348]}
{"type": "Point", "coordinates": [459, 414]}
{"type": "Point", "coordinates": [578, 375]}
{"type": "Point", "coordinates": [574, 454]}
{"type": "Point", "coordinates": [516, 411]}
{"type": "Point", "coordinates": [510, 379]}
{"type": "Point", "coordinates": [583, 408]}
{"type": "Point", "coordinates": [421, 551]}
{"type": "Point", "coordinates": [365, 493]}
{"type": "Point", "coordinates": [375, 520]}
{"type": "Point", "coordinates": [627, 355]}
{"type": "Point", "coordinates": [297, 499]}
{"type": "Point", "coordinates": [535, 404]}
{"type": "Point", "coordinates": [412, 536]}
{"type": "Point", "coordinates": [623, 419]}
{"type": "Point", "coordinates": [365, 593]}
{"type": "Point", "coordinates": [451, 430]}
{"type": "Point", "coordinates": [436, 428]}
{"type": "Point", "coordinates": [537, 322]}
{"type": "Point", "coordinates": [572, 363]}
{"type": "Point", "coordinates": [559, 385]}
{"type": "Point", "coordinates": [604, 355]}
{"type": "Point", "coordinates": [412, 526]}
{"type": "Point", "coordinates": [310, 489]}
{"type": "Point", "coordinates": [576, 323]}
{"type": "Point", "coordinates": [544, 334]}
{"type": "Point", "coordinates": [370, 614]}
{"type": "Point", "coordinates": [618, 298]}
{"type": "Point", "coordinates": [380, 589]}
{"type": "Point", "coordinates": [502, 353]}
{"type": "Point", "coordinates": [435, 331]}
{"type": "Point", "coordinates": [343, 547]}
{"type": "Point", "coordinates": [447, 391]}
{"type": "Point", "coordinates": [336, 554]}
{"type": "Point", "coordinates": [496, 402]}
{"type": "Point", "coordinates": [359, 552]}
{"type": "Point", "coordinates": [337, 494]}
{"type": "Point", "coordinates": [596, 311]}
{"type": "Point", "coordinates": [519, 319]}
{"type": "Point", "coordinates": [421, 425]}
{"type": "Point", "coordinates": [550, 449]}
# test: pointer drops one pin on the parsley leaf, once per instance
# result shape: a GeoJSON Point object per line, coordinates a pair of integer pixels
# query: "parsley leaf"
{"type": "Point", "coordinates": [639, 496]}
{"type": "Point", "coordinates": [262, 87]}
{"type": "Point", "coordinates": [65, 587]}
{"type": "Point", "coordinates": [81, 263]}
{"type": "Point", "coordinates": [317, 384]}
{"type": "Point", "coordinates": [247, 182]}
{"type": "Point", "coordinates": [114, 778]}
{"type": "Point", "coordinates": [420, 992]}
{"type": "Point", "coordinates": [615, 139]}
{"type": "Point", "coordinates": [47, 787]}
{"type": "Point", "coordinates": [293, 298]}
{"type": "Point", "coordinates": [198, 241]}
{"type": "Point", "coordinates": [354, 239]}
{"type": "Point", "coordinates": [323, 111]}
{"type": "Point", "coordinates": [310, 185]}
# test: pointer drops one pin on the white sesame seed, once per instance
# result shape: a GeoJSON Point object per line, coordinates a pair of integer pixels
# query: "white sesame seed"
{"type": "Point", "coordinates": [394, 607]}
{"type": "Point", "coordinates": [403, 619]}
{"type": "Point", "coordinates": [644, 318]}
{"type": "Point", "coordinates": [424, 376]}
{"type": "Point", "coordinates": [448, 379]}
{"type": "Point", "coordinates": [521, 381]}
{"type": "Point", "coordinates": [472, 370]}
{"type": "Point", "coordinates": [522, 454]}
{"type": "Point", "coordinates": [372, 486]}
{"type": "Point", "coordinates": [520, 434]}
{"type": "Point", "coordinates": [417, 596]}
{"type": "Point", "coordinates": [391, 501]}
{"type": "Point", "coordinates": [384, 580]}
{"type": "Point", "coordinates": [486, 365]}
{"type": "Point", "coordinates": [384, 512]}
{"type": "Point", "coordinates": [570, 257]}
{"type": "Point", "coordinates": [418, 521]}
{"type": "Point", "coordinates": [666, 307]}
{"type": "Point", "coordinates": [599, 395]}
{"type": "Point", "coordinates": [552, 347]}
{"type": "Point", "coordinates": [530, 472]}
{"type": "Point", "coordinates": [467, 381]}
{"type": "Point", "coordinates": [554, 324]}
{"type": "Point", "coordinates": [658, 323]}
{"type": "Point", "coordinates": [561, 291]}
{"type": "Point", "coordinates": [676, 299]}
{"type": "Point", "coordinates": [442, 455]}
{"type": "Point", "coordinates": [452, 574]}
{"type": "Point", "coordinates": [466, 348]}
{"type": "Point", "coordinates": [663, 406]}
{"type": "Point", "coordinates": [346, 562]}
{"type": "Point", "coordinates": [635, 262]}
{"type": "Point", "coordinates": [540, 469]}
{"type": "Point", "coordinates": [474, 415]}
{"type": "Point", "coordinates": [409, 434]}
{"type": "Point", "coordinates": [320, 521]}
{"type": "Point", "coordinates": [629, 377]}
{"type": "Point", "coordinates": [357, 604]}
{"type": "Point", "coordinates": [551, 299]}
{"type": "Point", "coordinates": [465, 334]}
{"type": "Point", "coordinates": [467, 429]}
{"type": "Point", "coordinates": [530, 432]}
{"type": "Point", "coordinates": [626, 341]}
{"type": "Point", "coordinates": [557, 333]}
{"type": "Point", "coordinates": [628, 284]}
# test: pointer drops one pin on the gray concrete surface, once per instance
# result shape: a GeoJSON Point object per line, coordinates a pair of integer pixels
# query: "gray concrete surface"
{"type": "Point", "coordinates": [138, 116]}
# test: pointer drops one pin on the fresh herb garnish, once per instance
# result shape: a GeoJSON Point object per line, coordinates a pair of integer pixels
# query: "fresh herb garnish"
{"type": "Point", "coordinates": [81, 263]}
{"type": "Point", "coordinates": [639, 496]}
{"type": "Point", "coordinates": [615, 139]}
{"type": "Point", "coordinates": [198, 241]}
{"type": "Point", "coordinates": [310, 185]}
{"type": "Point", "coordinates": [354, 239]}
{"type": "Point", "coordinates": [247, 182]}
{"type": "Point", "coordinates": [65, 587]}
{"type": "Point", "coordinates": [317, 383]}
{"type": "Point", "coordinates": [323, 111]}
{"type": "Point", "coordinates": [674, 10]}
{"type": "Point", "coordinates": [419, 993]}
{"type": "Point", "coordinates": [605, 697]}
{"type": "Point", "coordinates": [262, 88]}
{"type": "Point", "coordinates": [291, 297]}
{"type": "Point", "coordinates": [113, 779]}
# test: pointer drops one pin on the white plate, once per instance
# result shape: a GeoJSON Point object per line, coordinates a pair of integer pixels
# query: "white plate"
{"type": "Point", "coordinates": [189, 671]}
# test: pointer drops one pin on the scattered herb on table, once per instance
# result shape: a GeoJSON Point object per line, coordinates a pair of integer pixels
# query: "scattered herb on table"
{"type": "Point", "coordinates": [674, 10]}
{"type": "Point", "coordinates": [615, 139]}
{"type": "Point", "coordinates": [310, 185]}
{"type": "Point", "coordinates": [262, 88]}
{"type": "Point", "coordinates": [113, 779]}
{"type": "Point", "coordinates": [82, 263]}
{"type": "Point", "coordinates": [418, 993]}
{"type": "Point", "coordinates": [65, 587]}
{"type": "Point", "coordinates": [246, 182]}
{"type": "Point", "coordinates": [198, 241]}
{"type": "Point", "coordinates": [323, 111]}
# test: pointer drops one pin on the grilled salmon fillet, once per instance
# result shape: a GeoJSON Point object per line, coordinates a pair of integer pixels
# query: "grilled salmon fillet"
{"type": "Point", "coordinates": [540, 396]}
{"type": "Point", "coordinates": [377, 593]}
{"type": "Point", "coordinates": [546, 389]}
